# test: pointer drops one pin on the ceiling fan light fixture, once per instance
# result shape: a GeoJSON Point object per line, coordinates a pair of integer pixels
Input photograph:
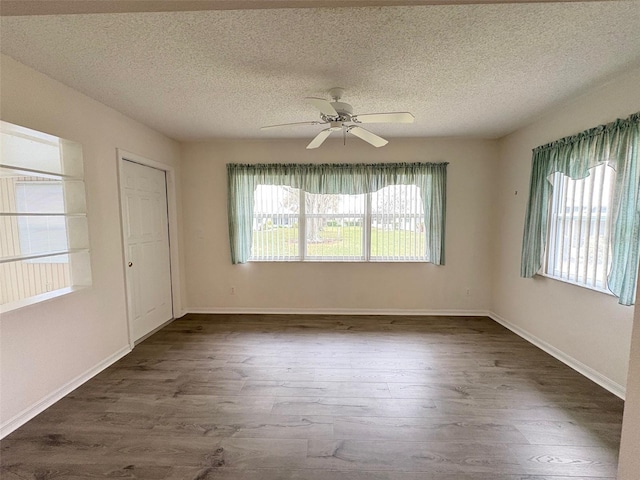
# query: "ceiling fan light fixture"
{"type": "Point", "coordinates": [336, 93]}
{"type": "Point", "coordinates": [339, 116]}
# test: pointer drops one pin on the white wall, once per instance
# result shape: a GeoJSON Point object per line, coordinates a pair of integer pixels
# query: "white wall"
{"type": "Point", "coordinates": [629, 462]}
{"type": "Point", "coordinates": [328, 287]}
{"type": "Point", "coordinates": [589, 326]}
{"type": "Point", "coordinates": [45, 346]}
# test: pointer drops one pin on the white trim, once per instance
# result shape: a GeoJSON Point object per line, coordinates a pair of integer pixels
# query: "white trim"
{"type": "Point", "coordinates": [40, 406]}
{"type": "Point", "coordinates": [43, 297]}
{"type": "Point", "coordinates": [576, 284]}
{"type": "Point", "coordinates": [605, 382]}
{"type": "Point", "coordinates": [43, 173]}
{"type": "Point", "coordinates": [337, 311]}
{"type": "Point", "coordinates": [172, 215]}
{"type": "Point", "coordinates": [35, 256]}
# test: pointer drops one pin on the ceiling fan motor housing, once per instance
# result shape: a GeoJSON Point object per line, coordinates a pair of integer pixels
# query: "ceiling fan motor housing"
{"type": "Point", "coordinates": [345, 111]}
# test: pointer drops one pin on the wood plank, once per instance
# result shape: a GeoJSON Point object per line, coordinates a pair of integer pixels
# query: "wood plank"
{"type": "Point", "coordinates": [354, 407]}
{"type": "Point", "coordinates": [315, 389]}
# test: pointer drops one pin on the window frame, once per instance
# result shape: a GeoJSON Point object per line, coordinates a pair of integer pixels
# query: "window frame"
{"type": "Point", "coordinates": [367, 219]}
{"type": "Point", "coordinates": [24, 157]}
{"type": "Point", "coordinates": [340, 178]}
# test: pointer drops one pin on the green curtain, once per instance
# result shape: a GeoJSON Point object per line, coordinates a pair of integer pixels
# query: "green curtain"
{"type": "Point", "coordinates": [349, 179]}
{"type": "Point", "coordinates": [617, 144]}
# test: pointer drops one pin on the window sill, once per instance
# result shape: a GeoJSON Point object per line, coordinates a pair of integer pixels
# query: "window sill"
{"type": "Point", "coordinates": [317, 260]}
{"type": "Point", "coordinates": [576, 284]}
{"type": "Point", "coordinates": [43, 297]}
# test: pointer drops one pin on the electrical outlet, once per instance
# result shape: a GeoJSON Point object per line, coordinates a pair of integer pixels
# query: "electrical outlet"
{"type": "Point", "coordinates": [233, 291]}
{"type": "Point", "coordinates": [468, 292]}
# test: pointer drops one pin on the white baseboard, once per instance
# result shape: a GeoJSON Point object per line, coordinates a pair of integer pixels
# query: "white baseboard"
{"type": "Point", "coordinates": [605, 382]}
{"type": "Point", "coordinates": [338, 311]}
{"type": "Point", "coordinates": [28, 413]}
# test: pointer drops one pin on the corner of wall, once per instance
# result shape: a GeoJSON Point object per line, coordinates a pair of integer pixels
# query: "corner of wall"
{"type": "Point", "coordinates": [566, 320]}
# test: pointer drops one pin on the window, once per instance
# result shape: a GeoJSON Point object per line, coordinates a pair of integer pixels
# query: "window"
{"type": "Point", "coordinates": [582, 223]}
{"type": "Point", "coordinates": [44, 247]}
{"type": "Point", "coordinates": [343, 212]}
{"type": "Point", "coordinates": [38, 234]}
{"type": "Point", "coordinates": [397, 224]}
{"type": "Point", "coordinates": [334, 227]}
{"type": "Point", "coordinates": [579, 244]}
{"type": "Point", "coordinates": [386, 225]}
{"type": "Point", "coordinates": [276, 223]}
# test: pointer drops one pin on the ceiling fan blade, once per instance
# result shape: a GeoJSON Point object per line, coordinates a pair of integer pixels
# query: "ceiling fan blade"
{"type": "Point", "coordinates": [291, 124]}
{"type": "Point", "coordinates": [323, 105]}
{"type": "Point", "coordinates": [368, 137]}
{"type": "Point", "coordinates": [391, 117]}
{"type": "Point", "coordinates": [320, 138]}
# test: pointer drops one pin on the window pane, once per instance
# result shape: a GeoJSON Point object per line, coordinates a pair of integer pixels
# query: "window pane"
{"type": "Point", "coordinates": [275, 223]}
{"type": "Point", "coordinates": [387, 225]}
{"type": "Point", "coordinates": [397, 224]}
{"type": "Point", "coordinates": [39, 196]}
{"type": "Point", "coordinates": [31, 231]}
{"type": "Point", "coordinates": [41, 234]}
{"type": "Point", "coordinates": [45, 196]}
{"type": "Point", "coordinates": [334, 227]}
{"type": "Point", "coordinates": [580, 228]}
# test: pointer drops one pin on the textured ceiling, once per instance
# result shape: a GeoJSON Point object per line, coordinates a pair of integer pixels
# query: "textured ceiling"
{"type": "Point", "coordinates": [61, 7]}
{"type": "Point", "coordinates": [478, 70]}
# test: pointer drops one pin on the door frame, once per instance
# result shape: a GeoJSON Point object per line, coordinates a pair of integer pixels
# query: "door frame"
{"type": "Point", "coordinates": [172, 215]}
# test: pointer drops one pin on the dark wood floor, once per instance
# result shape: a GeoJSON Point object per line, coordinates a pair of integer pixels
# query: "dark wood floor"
{"type": "Point", "coordinates": [251, 397]}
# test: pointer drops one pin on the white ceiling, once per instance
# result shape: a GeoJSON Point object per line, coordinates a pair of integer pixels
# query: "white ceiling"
{"type": "Point", "coordinates": [475, 70]}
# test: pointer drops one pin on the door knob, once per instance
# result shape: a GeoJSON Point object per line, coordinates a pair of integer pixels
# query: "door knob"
{"type": "Point", "coordinates": [130, 264]}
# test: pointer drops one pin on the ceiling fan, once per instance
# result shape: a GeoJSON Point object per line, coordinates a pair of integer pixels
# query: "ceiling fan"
{"type": "Point", "coordinates": [339, 116]}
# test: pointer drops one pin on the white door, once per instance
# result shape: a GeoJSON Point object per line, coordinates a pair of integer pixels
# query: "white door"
{"type": "Point", "coordinates": [146, 233]}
